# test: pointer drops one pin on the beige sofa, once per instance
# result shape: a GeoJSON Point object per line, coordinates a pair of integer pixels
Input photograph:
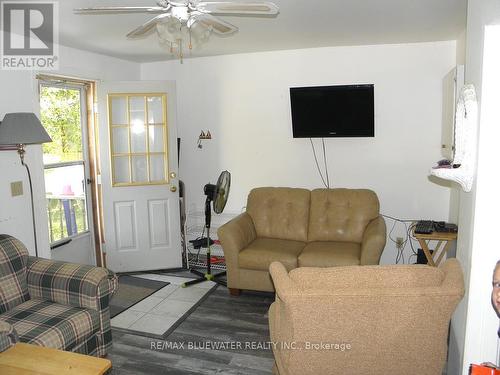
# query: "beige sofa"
{"type": "Point", "coordinates": [377, 320]}
{"type": "Point", "coordinates": [300, 228]}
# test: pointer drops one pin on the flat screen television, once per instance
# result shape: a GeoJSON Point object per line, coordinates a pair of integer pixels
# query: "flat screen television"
{"type": "Point", "coordinates": [332, 111]}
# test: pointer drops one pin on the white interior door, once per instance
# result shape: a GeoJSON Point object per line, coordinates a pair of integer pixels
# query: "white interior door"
{"type": "Point", "coordinates": [138, 144]}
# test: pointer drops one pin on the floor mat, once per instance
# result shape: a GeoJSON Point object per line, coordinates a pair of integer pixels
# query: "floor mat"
{"type": "Point", "coordinates": [132, 290]}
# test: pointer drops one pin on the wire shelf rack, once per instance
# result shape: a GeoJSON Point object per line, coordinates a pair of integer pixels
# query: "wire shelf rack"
{"type": "Point", "coordinates": [195, 229]}
{"type": "Point", "coordinates": [200, 261]}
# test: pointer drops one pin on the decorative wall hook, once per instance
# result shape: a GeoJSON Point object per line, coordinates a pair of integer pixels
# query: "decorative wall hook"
{"type": "Point", "coordinates": [203, 136]}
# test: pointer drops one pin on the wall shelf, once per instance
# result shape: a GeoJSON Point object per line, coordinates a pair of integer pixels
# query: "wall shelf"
{"type": "Point", "coordinates": [462, 176]}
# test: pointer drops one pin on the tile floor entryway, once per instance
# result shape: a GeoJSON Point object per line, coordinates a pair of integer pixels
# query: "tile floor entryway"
{"type": "Point", "coordinates": [159, 312]}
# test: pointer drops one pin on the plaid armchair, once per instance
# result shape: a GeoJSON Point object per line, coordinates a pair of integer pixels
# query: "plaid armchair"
{"type": "Point", "coordinates": [54, 304]}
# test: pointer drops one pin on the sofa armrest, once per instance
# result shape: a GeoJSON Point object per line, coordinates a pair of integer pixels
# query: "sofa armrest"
{"type": "Point", "coordinates": [373, 243]}
{"type": "Point", "coordinates": [281, 334]}
{"type": "Point", "coordinates": [8, 336]}
{"type": "Point", "coordinates": [70, 284]}
{"type": "Point", "coordinates": [234, 236]}
{"type": "Point", "coordinates": [285, 287]}
{"type": "Point", "coordinates": [453, 276]}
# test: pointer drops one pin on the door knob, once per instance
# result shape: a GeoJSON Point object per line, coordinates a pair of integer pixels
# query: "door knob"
{"type": "Point", "coordinates": [173, 188]}
{"type": "Point", "coordinates": [173, 175]}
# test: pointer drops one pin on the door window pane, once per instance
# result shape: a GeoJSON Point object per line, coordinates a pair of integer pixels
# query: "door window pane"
{"type": "Point", "coordinates": [157, 167]}
{"type": "Point", "coordinates": [120, 140]}
{"type": "Point", "coordinates": [119, 111]}
{"type": "Point", "coordinates": [138, 147]}
{"type": "Point", "coordinates": [156, 143]}
{"type": "Point", "coordinates": [138, 137]}
{"type": "Point", "coordinates": [139, 169]}
{"type": "Point", "coordinates": [155, 110]}
{"type": "Point", "coordinates": [137, 110]}
{"type": "Point", "coordinates": [121, 169]}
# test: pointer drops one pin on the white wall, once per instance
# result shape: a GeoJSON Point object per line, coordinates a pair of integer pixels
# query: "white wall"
{"type": "Point", "coordinates": [474, 325]}
{"type": "Point", "coordinates": [462, 47]}
{"type": "Point", "coordinates": [18, 93]}
{"type": "Point", "coordinates": [244, 101]}
{"type": "Point", "coordinates": [15, 213]}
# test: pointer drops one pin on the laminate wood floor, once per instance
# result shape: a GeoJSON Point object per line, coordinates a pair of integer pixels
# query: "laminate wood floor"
{"type": "Point", "coordinates": [235, 328]}
{"type": "Point", "coordinates": [220, 318]}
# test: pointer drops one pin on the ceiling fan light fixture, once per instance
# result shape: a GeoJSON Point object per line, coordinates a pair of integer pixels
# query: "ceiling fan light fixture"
{"type": "Point", "coordinates": [172, 31]}
{"type": "Point", "coordinates": [188, 22]}
{"type": "Point", "coordinates": [200, 33]}
{"type": "Point", "coordinates": [175, 34]}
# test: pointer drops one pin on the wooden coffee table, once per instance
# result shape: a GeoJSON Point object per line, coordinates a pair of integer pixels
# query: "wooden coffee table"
{"type": "Point", "coordinates": [24, 359]}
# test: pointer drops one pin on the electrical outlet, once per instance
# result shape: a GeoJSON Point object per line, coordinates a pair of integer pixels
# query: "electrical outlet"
{"type": "Point", "coordinates": [399, 242]}
{"type": "Point", "coordinates": [16, 188]}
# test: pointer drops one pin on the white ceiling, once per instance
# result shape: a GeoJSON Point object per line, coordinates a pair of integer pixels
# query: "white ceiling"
{"type": "Point", "coordinates": [300, 24]}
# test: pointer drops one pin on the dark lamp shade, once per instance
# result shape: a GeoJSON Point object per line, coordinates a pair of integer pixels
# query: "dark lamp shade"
{"type": "Point", "coordinates": [22, 128]}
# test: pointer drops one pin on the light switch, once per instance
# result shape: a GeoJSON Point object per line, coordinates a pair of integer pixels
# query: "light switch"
{"type": "Point", "coordinates": [16, 188]}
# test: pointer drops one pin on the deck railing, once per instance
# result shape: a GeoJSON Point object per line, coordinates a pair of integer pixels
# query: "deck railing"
{"type": "Point", "coordinates": [67, 216]}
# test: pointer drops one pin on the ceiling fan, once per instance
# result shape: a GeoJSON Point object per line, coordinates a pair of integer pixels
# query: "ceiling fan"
{"type": "Point", "coordinates": [187, 21]}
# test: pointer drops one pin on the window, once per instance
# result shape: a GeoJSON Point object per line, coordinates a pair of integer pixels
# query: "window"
{"type": "Point", "coordinates": [138, 139]}
{"type": "Point", "coordinates": [64, 160]}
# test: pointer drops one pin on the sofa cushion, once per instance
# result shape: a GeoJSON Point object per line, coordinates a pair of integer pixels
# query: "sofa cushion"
{"type": "Point", "coordinates": [13, 285]}
{"type": "Point", "coordinates": [280, 212]}
{"type": "Point", "coordinates": [52, 325]}
{"type": "Point", "coordinates": [263, 251]}
{"type": "Point", "coordinates": [341, 214]}
{"type": "Point", "coordinates": [330, 254]}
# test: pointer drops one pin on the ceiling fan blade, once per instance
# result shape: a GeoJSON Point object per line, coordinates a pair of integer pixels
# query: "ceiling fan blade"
{"type": "Point", "coordinates": [107, 10]}
{"type": "Point", "coordinates": [247, 8]}
{"type": "Point", "coordinates": [217, 25]}
{"type": "Point", "coordinates": [179, 3]}
{"type": "Point", "coordinates": [147, 26]}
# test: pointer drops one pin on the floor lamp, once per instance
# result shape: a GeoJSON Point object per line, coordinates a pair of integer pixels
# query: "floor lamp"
{"type": "Point", "coordinates": [16, 131]}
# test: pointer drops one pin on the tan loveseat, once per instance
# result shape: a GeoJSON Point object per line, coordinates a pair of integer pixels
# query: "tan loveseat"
{"type": "Point", "coordinates": [374, 320]}
{"type": "Point", "coordinates": [300, 228]}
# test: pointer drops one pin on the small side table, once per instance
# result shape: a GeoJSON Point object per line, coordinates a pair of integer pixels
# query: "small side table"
{"type": "Point", "coordinates": [444, 239]}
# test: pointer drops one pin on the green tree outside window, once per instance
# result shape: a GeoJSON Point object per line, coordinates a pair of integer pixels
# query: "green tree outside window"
{"type": "Point", "coordinates": [61, 117]}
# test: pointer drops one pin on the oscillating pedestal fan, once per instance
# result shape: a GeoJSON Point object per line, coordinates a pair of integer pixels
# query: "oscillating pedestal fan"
{"type": "Point", "coordinates": [217, 196]}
